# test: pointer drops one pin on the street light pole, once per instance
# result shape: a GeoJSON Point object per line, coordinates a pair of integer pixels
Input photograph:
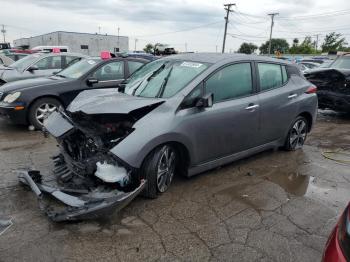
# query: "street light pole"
{"type": "Point", "coordinates": [3, 31]}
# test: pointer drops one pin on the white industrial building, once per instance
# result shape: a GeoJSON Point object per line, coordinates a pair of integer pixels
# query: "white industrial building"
{"type": "Point", "coordinates": [85, 43]}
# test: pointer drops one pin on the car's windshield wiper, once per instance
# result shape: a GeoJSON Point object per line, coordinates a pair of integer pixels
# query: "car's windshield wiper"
{"type": "Point", "coordinates": [164, 83]}
{"type": "Point", "coordinates": [155, 72]}
{"type": "Point", "coordinates": [61, 75]}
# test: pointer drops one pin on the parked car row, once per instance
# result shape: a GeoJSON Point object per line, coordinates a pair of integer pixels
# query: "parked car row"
{"type": "Point", "coordinates": [45, 86]}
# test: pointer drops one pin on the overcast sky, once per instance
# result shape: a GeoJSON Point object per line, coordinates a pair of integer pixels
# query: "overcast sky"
{"type": "Point", "coordinates": [152, 21]}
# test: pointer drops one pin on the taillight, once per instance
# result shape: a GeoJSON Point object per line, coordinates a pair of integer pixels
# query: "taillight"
{"type": "Point", "coordinates": [311, 90]}
{"type": "Point", "coordinates": [344, 233]}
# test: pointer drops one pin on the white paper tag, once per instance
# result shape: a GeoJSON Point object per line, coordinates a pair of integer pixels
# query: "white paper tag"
{"type": "Point", "coordinates": [91, 62]}
{"type": "Point", "coordinates": [191, 64]}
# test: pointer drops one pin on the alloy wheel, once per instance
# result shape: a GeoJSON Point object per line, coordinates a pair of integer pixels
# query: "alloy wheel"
{"type": "Point", "coordinates": [166, 168]}
{"type": "Point", "coordinates": [43, 112]}
{"type": "Point", "coordinates": [298, 134]}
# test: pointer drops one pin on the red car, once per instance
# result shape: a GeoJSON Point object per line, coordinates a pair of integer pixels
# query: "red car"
{"type": "Point", "coordinates": [338, 245]}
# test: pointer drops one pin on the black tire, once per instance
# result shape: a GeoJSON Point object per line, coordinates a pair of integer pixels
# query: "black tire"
{"type": "Point", "coordinates": [150, 167]}
{"type": "Point", "coordinates": [35, 107]}
{"type": "Point", "coordinates": [297, 134]}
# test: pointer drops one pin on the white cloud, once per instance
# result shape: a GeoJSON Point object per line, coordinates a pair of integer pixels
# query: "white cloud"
{"type": "Point", "coordinates": [143, 18]}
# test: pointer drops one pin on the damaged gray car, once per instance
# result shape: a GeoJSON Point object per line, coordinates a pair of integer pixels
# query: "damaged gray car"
{"type": "Point", "coordinates": [183, 114]}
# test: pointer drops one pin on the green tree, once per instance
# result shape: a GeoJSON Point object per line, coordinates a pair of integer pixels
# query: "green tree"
{"type": "Point", "coordinates": [277, 44]}
{"type": "Point", "coordinates": [247, 48]}
{"type": "Point", "coordinates": [295, 46]}
{"type": "Point", "coordinates": [149, 48]}
{"type": "Point", "coordinates": [306, 47]}
{"type": "Point", "coordinates": [334, 42]}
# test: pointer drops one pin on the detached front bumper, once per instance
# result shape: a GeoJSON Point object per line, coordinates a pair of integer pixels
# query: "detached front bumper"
{"type": "Point", "coordinates": [78, 206]}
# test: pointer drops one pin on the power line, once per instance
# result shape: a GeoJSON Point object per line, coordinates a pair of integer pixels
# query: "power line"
{"type": "Point", "coordinates": [339, 12]}
{"type": "Point", "coordinates": [178, 31]}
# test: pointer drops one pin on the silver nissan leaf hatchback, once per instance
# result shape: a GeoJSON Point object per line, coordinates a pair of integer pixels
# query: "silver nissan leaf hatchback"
{"type": "Point", "coordinates": [182, 114]}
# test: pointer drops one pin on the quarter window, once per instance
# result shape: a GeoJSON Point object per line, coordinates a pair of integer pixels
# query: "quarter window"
{"type": "Point", "coordinates": [284, 74]}
{"type": "Point", "coordinates": [230, 82]}
{"type": "Point", "coordinates": [110, 71]}
{"type": "Point", "coordinates": [270, 76]}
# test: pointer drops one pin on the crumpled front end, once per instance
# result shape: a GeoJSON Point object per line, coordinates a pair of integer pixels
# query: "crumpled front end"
{"type": "Point", "coordinates": [87, 180]}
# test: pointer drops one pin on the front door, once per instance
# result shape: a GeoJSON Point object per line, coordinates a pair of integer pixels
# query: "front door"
{"type": "Point", "coordinates": [231, 124]}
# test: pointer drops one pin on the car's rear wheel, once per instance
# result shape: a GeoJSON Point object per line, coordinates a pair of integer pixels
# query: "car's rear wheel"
{"type": "Point", "coordinates": [41, 109]}
{"type": "Point", "coordinates": [159, 170]}
{"type": "Point", "coordinates": [297, 134]}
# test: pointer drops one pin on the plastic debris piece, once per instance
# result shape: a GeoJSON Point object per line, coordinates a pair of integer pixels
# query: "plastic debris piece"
{"type": "Point", "coordinates": [112, 173]}
{"type": "Point", "coordinates": [4, 225]}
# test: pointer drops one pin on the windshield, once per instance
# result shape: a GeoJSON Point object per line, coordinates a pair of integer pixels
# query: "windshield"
{"type": "Point", "coordinates": [79, 68]}
{"type": "Point", "coordinates": [342, 62]}
{"type": "Point", "coordinates": [25, 62]}
{"type": "Point", "coordinates": [163, 78]}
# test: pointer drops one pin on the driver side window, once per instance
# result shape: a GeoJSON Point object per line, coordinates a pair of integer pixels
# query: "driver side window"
{"type": "Point", "coordinates": [111, 71]}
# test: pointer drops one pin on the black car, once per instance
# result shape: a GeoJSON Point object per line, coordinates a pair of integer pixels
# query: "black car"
{"type": "Point", "coordinates": [33, 100]}
{"type": "Point", "coordinates": [333, 84]}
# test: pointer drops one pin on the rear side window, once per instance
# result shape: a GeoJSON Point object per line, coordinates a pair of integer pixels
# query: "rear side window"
{"type": "Point", "coordinates": [133, 66]}
{"type": "Point", "coordinates": [270, 76]}
{"type": "Point", "coordinates": [70, 60]}
{"type": "Point", "coordinates": [284, 74]}
{"type": "Point", "coordinates": [230, 82]}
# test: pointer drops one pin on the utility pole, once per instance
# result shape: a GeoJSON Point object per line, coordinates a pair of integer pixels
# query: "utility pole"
{"type": "Point", "coordinates": [186, 47]}
{"type": "Point", "coordinates": [3, 31]}
{"type": "Point", "coordinates": [272, 24]}
{"type": "Point", "coordinates": [135, 43]}
{"type": "Point", "coordinates": [228, 10]}
{"type": "Point", "coordinates": [99, 30]}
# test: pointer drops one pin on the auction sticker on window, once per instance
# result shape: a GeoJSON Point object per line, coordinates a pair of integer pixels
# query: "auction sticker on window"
{"type": "Point", "coordinates": [191, 64]}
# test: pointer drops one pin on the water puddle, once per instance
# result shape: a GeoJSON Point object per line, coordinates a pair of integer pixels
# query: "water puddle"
{"type": "Point", "coordinates": [295, 183]}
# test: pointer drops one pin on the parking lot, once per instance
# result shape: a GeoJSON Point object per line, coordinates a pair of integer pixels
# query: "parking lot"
{"type": "Point", "coordinates": [275, 206]}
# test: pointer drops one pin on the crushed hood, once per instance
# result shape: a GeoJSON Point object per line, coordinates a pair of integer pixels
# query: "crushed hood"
{"type": "Point", "coordinates": [345, 72]}
{"type": "Point", "coordinates": [109, 101]}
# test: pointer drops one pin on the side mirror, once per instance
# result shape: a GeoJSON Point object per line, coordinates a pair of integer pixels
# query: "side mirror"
{"type": "Point", "coordinates": [33, 68]}
{"type": "Point", "coordinates": [205, 101]}
{"type": "Point", "coordinates": [55, 73]}
{"type": "Point", "coordinates": [91, 81]}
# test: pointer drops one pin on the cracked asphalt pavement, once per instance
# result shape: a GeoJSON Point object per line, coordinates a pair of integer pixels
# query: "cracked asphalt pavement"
{"type": "Point", "coordinates": [275, 206]}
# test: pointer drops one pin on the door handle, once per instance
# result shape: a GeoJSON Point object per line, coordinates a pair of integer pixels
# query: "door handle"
{"type": "Point", "coordinates": [251, 107]}
{"type": "Point", "coordinates": [292, 96]}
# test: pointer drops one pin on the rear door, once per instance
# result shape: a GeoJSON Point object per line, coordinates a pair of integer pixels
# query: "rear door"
{"type": "Point", "coordinates": [231, 124]}
{"type": "Point", "coordinates": [278, 98]}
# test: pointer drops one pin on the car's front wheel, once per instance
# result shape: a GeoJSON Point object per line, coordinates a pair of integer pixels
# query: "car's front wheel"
{"type": "Point", "coordinates": [159, 170]}
{"type": "Point", "coordinates": [41, 109]}
{"type": "Point", "coordinates": [297, 134]}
